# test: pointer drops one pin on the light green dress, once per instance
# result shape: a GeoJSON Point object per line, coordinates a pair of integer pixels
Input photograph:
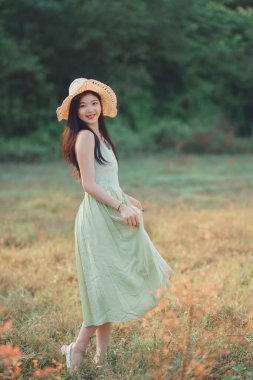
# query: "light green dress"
{"type": "Point", "coordinates": [121, 274]}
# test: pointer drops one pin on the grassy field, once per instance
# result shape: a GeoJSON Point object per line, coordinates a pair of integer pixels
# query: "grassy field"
{"type": "Point", "coordinates": [198, 213]}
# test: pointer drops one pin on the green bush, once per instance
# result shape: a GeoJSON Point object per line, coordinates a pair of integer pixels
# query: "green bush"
{"type": "Point", "coordinates": [195, 137]}
{"type": "Point", "coordinates": [163, 135]}
{"type": "Point", "coordinates": [39, 146]}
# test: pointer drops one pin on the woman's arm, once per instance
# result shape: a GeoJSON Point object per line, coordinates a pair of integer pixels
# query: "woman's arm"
{"type": "Point", "coordinates": [85, 156]}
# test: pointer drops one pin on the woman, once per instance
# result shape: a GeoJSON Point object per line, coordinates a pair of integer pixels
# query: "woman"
{"type": "Point", "coordinates": [119, 269]}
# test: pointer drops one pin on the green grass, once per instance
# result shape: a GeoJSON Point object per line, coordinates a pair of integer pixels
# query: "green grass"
{"type": "Point", "coordinates": [198, 213]}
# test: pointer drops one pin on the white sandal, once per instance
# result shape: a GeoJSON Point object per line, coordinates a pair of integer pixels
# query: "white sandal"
{"type": "Point", "coordinates": [66, 350]}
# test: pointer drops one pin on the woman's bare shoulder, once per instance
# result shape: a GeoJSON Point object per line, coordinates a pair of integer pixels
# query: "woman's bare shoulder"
{"type": "Point", "coordinates": [85, 138]}
{"type": "Point", "coordinates": [85, 135]}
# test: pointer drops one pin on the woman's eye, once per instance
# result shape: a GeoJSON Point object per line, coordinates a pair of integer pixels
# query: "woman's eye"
{"type": "Point", "coordinates": [94, 103]}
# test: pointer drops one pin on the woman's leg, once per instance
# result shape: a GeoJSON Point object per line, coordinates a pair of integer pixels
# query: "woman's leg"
{"type": "Point", "coordinates": [103, 336]}
{"type": "Point", "coordinates": [81, 343]}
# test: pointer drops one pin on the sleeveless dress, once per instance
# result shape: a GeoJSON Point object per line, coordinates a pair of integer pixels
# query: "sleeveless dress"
{"type": "Point", "coordinates": [121, 274]}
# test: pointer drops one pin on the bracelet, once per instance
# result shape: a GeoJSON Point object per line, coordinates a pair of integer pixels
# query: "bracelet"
{"type": "Point", "coordinates": [119, 205]}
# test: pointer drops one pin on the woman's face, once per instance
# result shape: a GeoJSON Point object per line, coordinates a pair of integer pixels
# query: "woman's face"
{"type": "Point", "coordinates": [89, 109]}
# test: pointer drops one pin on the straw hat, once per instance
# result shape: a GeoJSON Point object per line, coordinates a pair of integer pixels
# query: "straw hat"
{"type": "Point", "coordinates": [108, 97]}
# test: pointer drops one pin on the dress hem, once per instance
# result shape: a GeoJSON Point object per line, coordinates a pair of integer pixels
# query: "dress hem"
{"type": "Point", "coordinates": [120, 320]}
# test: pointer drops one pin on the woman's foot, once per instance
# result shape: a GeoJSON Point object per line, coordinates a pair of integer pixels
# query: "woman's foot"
{"type": "Point", "coordinates": [100, 359]}
{"type": "Point", "coordinates": [76, 355]}
{"type": "Point", "coordinates": [66, 350]}
{"type": "Point", "coordinates": [101, 363]}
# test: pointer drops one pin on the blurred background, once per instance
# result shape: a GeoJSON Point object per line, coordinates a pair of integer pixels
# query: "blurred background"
{"type": "Point", "coordinates": [182, 71]}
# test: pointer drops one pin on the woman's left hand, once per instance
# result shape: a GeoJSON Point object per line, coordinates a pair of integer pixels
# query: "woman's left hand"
{"type": "Point", "coordinates": [135, 202]}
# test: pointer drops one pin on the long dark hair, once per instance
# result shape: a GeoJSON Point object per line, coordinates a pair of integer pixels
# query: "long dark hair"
{"type": "Point", "coordinates": [74, 125]}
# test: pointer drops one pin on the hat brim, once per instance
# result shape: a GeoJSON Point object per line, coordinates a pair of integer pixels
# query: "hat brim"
{"type": "Point", "coordinates": [108, 98]}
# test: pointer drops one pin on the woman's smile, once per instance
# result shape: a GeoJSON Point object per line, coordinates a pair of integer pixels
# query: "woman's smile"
{"type": "Point", "coordinates": [91, 116]}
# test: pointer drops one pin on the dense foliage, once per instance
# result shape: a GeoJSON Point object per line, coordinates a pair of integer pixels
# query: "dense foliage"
{"type": "Point", "coordinates": [184, 64]}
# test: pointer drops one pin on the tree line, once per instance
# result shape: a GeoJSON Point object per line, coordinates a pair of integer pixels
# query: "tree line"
{"type": "Point", "coordinates": [186, 61]}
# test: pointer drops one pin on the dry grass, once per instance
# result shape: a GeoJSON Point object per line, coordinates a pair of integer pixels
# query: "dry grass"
{"type": "Point", "coordinates": [201, 224]}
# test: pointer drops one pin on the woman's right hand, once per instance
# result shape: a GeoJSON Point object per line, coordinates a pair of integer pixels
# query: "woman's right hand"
{"type": "Point", "coordinates": [129, 215]}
